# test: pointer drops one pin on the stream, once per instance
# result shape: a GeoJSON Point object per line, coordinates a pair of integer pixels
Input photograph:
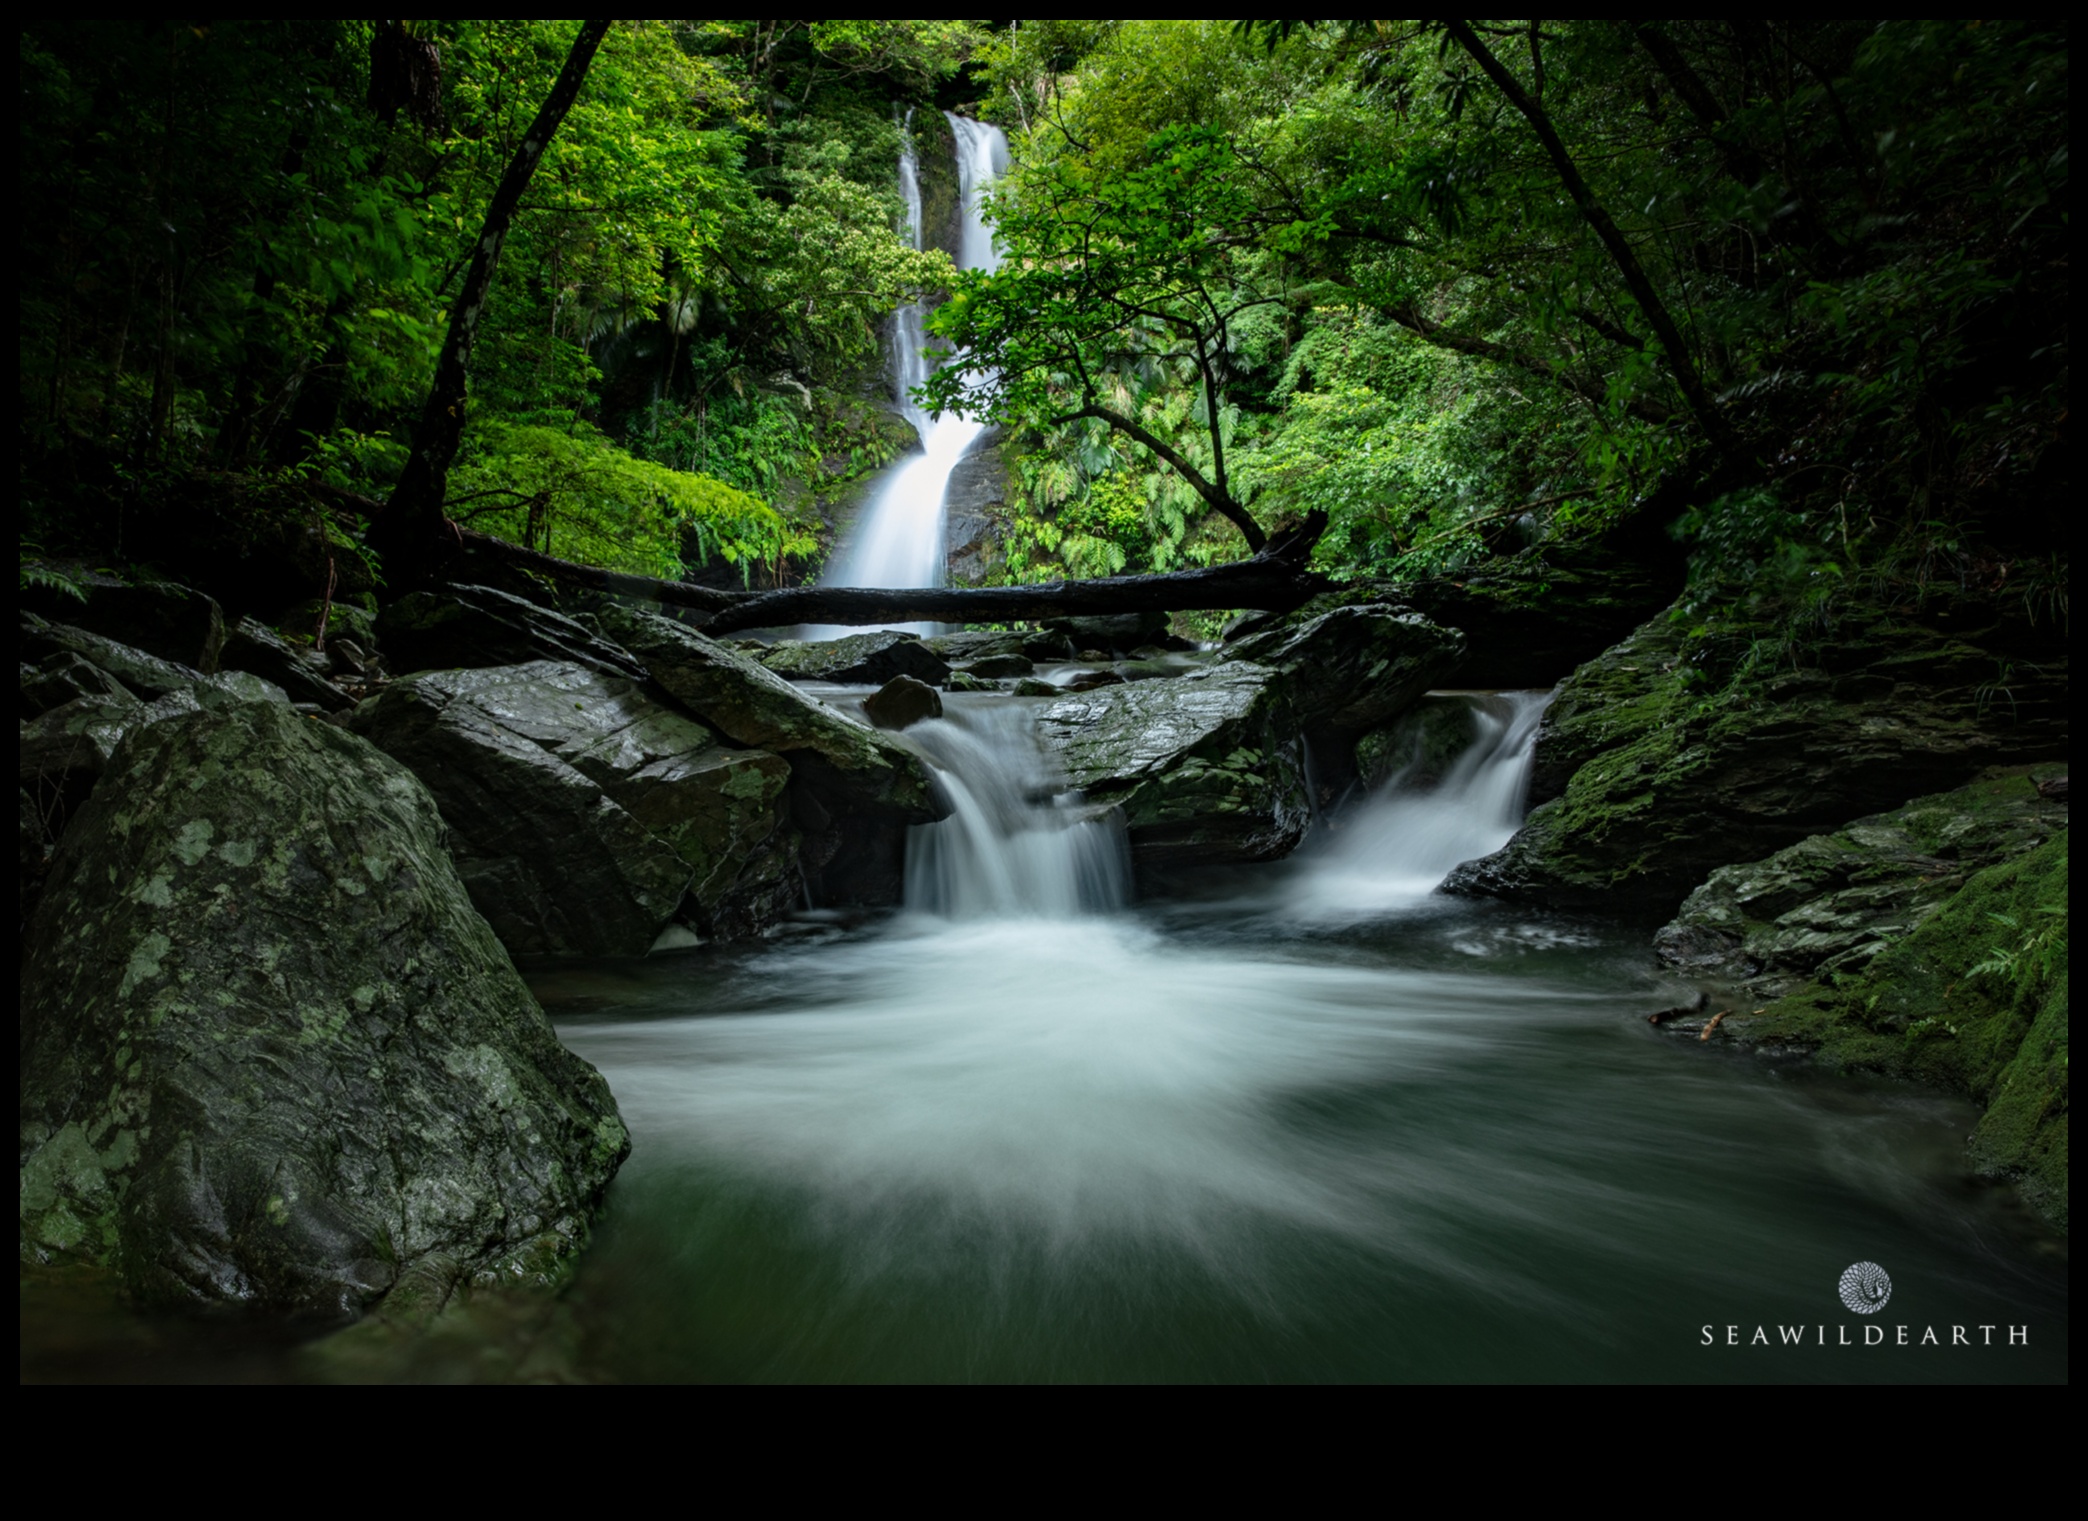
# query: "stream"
{"type": "Point", "coordinates": [1315, 1124]}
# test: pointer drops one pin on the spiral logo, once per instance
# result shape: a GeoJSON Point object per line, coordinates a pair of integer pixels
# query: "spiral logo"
{"type": "Point", "coordinates": [1865, 1287]}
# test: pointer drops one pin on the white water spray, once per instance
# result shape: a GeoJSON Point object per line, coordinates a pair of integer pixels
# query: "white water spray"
{"type": "Point", "coordinates": [1007, 850]}
{"type": "Point", "coordinates": [898, 541]}
{"type": "Point", "coordinates": [1398, 846]}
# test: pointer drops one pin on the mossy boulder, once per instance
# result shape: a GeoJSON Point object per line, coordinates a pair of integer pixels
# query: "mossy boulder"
{"type": "Point", "coordinates": [1206, 768]}
{"type": "Point", "coordinates": [459, 627]}
{"type": "Point", "coordinates": [1825, 906]}
{"type": "Point", "coordinates": [854, 791]}
{"type": "Point", "coordinates": [1973, 999]}
{"type": "Point", "coordinates": [1679, 751]}
{"type": "Point", "coordinates": [865, 659]}
{"type": "Point", "coordinates": [585, 815]}
{"type": "Point", "coordinates": [272, 1056]}
{"type": "Point", "coordinates": [1349, 669]}
{"type": "Point", "coordinates": [63, 677]}
{"type": "Point", "coordinates": [1418, 748]}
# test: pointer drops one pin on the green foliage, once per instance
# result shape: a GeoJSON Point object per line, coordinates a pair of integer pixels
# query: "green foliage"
{"type": "Point", "coordinates": [572, 493]}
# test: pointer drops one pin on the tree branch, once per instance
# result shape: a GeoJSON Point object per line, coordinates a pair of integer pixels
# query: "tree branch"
{"type": "Point", "coordinates": [1220, 500]}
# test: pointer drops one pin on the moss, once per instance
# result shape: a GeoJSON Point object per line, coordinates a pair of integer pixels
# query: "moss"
{"type": "Point", "coordinates": [1973, 1000]}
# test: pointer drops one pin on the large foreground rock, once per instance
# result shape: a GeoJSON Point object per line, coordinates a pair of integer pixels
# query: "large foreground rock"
{"type": "Point", "coordinates": [585, 816]}
{"type": "Point", "coordinates": [1206, 768]}
{"type": "Point", "coordinates": [1677, 752]}
{"type": "Point", "coordinates": [271, 1054]}
{"type": "Point", "coordinates": [1824, 907]}
{"type": "Point", "coordinates": [853, 790]}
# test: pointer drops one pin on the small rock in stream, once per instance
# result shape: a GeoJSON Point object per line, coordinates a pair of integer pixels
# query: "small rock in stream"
{"type": "Point", "coordinates": [901, 702]}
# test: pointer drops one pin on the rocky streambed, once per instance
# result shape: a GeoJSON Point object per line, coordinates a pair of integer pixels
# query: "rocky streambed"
{"type": "Point", "coordinates": [276, 1051]}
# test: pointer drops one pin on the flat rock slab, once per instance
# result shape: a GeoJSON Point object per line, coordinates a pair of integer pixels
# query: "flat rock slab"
{"type": "Point", "coordinates": [272, 1056]}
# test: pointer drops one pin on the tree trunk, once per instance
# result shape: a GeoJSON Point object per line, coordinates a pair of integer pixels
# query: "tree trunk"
{"type": "Point", "coordinates": [411, 533]}
{"type": "Point", "coordinates": [1276, 579]}
{"type": "Point", "coordinates": [1635, 278]}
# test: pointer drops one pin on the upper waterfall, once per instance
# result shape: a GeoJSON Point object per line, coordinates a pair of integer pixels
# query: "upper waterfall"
{"type": "Point", "coordinates": [898, 540]}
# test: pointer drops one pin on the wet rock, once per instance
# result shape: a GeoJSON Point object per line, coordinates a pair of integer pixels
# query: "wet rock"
{"type": "Point", "coordinates": [65, 751]}
{"type": "Point", "coordinates": [1001, 667]}
{"type": "Point", "coordinates": [962, 648]}
{"type": "Point", "coordinates": [272, 1056]}
{"type": "Point", "coordinates": [853, 790]}
{"type": "Point", "coordinates": [60, 678]}
{"type": "Point", "coordinates": [161, 618]}
{"type": "Point", "coordinates": [1676, 755]}
{"type": "Point", "coordinates": [964, 681]}
{"type": "Point", "coordinates": [1828, 904]}
{"type": "Point", "coordinates": [1418, 748]}
{"type": "Point", "coordinates": [581, 809]}
{"type": "Point", "coordinates": [1087, 681]}
{"type": "Point", "coordinates": [143, 675]}
{"type": "Point", "coordinates": [457, 627]}
{"type": "Point", "coordinates": [1973, 999]}
{"type": "Point", "coordinates": [1206, 768]}
{"type": "Point", "coordinates": [1350, 669]}
{"type": "Point", "coordinates": [1111, 634]}
{"type": "Point", "coordinates": [1031, 686]}
{"type": "Point", "coordinates": [856, 658]}
{"type": "Point", "coordinates": [261, 651]}
{"type": "Point", "coordinates": [902, 701]}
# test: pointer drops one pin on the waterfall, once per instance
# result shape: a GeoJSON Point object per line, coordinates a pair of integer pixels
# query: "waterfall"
{"type": "Point", "coordinates": [1006, 850]}
{"type": "Point", "coordinates": [1397, 847]}
{"type": "Point", "coordinates": [898, 540]}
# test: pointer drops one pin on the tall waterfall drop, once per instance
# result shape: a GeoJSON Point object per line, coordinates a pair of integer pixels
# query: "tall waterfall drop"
{"type": "Point", "coordinates": [898, 540]}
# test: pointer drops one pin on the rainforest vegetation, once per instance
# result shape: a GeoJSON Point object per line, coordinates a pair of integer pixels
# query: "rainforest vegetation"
{"type": "Point", "coordinates": [1461, 287]}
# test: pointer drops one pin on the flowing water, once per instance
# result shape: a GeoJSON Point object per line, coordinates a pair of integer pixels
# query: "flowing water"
{"type": "Point", "coordinates": [1318, 1125]}
{"type": "Point", "coordinates": [898, 541]}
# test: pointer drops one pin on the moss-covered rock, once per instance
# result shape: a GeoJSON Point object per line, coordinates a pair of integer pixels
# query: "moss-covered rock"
{"type": "Point", "coordinates": [1353, 668]}
{"type": "Point", "coordinates": [271, 1055]}
{"type": "Point", "coordinates": [1681, 751]}
{"type": "Point", "coordinates": [1206, 768]}
{"type": "Point", "coordinates": [1828, 904]}
{"type": "Point", "coordinates": [1974, 999]}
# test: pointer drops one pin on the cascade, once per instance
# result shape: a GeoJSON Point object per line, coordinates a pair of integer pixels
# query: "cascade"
{"type": "Point", "coordinates": [1398, 846]}
{"type": "Point", "coordinates": [898, 541]}
{"type": "Point", "coordinates": [1006, 850]}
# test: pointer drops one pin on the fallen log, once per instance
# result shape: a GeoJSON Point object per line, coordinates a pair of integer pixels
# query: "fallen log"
{"type": "Point", "coordinates": [1275, 580]}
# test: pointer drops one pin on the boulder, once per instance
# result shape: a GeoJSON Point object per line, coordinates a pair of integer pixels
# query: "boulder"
{"type": "Point", "coordinates": [1031, 686]}
{"type": "Point", "coordinates": [964, 681]}
{"type": "Point", "coordinates": [143, 675]}
{"type": "Point", "coordinates": [1418, 748]}
{"type": "Point", "coordinates": [261, 651]}
{"type": "Point", "coordinates": [1828, 904]}
{"type": "Point", "coordinates": [161, 618]}
{"type": "Point", "coordinates": [1206, 768]}
{"type": "Point", "coordinates": [272, 1056]}
{"type": "Point", "coordinates": [1000, 667]}
{"type": "Point", "coordinates": [853, 790]}
{"type": "Point", "coordinates": [65, 750]}
{"type": "Point", "coordinates": [1973, 999]}
{"type": "Point", "coordinates": [1678, 752]}
{"type": "Point", "coordinates": [856, 659]}
{"type": "Point", "coordinates": [1349, 669]}
{"type": "Point", "coordinates": [462, 627]}
{"type": "Point", "coordinates": [1112, 633]}
{"type": "Point", "coordinates": [61, 677]}
{"type": "Point", "coordinates": [968, 645]}
{"type": "Point", "coordinates": [902, 701]}
{"type": "Point", "coordinates": [582, 810]}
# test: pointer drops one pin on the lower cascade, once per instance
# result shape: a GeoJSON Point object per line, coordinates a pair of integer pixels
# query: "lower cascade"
{"type": "Point", "coordinates": [1396, 847]}
{"type": "Point", "coordinates": [1007, 849]}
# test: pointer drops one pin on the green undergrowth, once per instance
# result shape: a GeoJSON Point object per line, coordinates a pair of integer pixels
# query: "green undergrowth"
{"type": "Point", "coordinates": [1974, 1000]}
